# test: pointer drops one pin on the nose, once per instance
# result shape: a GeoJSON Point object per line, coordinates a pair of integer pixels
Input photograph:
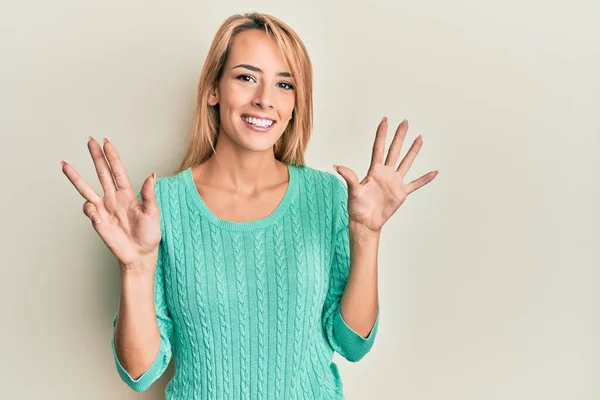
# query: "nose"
{"type": "Point", "coordinates": [263, 97]}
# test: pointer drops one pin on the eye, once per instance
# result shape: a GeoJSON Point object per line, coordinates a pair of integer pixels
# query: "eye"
{"type": "Point", "coordinates": [287, 86]}
{"type": "Point", "coordinates": [245, 78]}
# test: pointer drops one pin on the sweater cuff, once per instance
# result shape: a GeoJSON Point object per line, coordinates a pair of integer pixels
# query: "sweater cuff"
{"type": "Point", "coordinates": [147, 378]}
{"type": "Point", "coordinates": [356, 345]}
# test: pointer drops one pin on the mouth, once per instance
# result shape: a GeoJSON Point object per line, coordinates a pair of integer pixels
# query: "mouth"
{"type": "Point", "coordinates": [258, 124]}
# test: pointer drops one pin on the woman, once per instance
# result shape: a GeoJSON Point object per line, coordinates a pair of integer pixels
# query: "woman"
{"type": "Point", "coordinates": [247, 266]}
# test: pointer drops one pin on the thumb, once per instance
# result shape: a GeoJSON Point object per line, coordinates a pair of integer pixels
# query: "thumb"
{"type": "Point", "coordinates": [148, 193]}
{"type": "Point", "coordinates": [349, 176]}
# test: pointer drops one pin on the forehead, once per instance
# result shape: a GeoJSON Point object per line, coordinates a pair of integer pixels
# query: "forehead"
{"type": "Point", "coordinates": [256, 48]}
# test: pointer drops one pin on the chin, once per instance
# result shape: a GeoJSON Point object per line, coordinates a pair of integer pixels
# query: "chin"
{"type": "Point", "coordinates": [253, 144]}
{"type": "Point", "coordinates": [259, 146]}
{"type": "Point", "coordinates": [257, 141]}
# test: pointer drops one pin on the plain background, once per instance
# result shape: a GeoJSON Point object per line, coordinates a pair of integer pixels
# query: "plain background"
{"type": "Point", "coordinates": [489, 275]}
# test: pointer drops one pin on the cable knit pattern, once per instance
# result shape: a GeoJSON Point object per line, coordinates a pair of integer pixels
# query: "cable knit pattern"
{"type": "Point", "coordinates": [238, 252]}
{"type": "Point", "coordinates": [280, 259]}
{"type": "Point", "coordinates": [298, 244]}
{"type": "Point", "coordinates": [199, 289]}
{"type": "Point", "coordinates": [201, 299]}
{"type": "Point", "coordinates": [251, 310]}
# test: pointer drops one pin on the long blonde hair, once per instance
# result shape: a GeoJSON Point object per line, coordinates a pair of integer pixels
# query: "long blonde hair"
{"type": "Point", "coordinates": [291, 146]}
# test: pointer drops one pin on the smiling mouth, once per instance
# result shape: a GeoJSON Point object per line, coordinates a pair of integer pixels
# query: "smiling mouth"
{"type": "Point", "coordinates": [259, 124]}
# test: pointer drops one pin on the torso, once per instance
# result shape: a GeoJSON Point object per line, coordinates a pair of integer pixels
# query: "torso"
{"type": "Point", "coordinates": [230, 207]}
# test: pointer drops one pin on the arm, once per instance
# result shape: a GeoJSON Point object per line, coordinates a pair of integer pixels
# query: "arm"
{"type": "Point", "coordinates": [136, 333]}
{"type": "Point", "coordinates": [143, 328]}
{"type": "Point", "coordinates": [360, 303]}
{"type": "Point", "coordinates": [373, 201]}
{"type": "Point", "coordinates": [353, 282]}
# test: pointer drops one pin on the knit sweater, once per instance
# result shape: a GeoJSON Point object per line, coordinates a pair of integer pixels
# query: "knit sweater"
{"type": "Point", "coordinates": [251, 310]}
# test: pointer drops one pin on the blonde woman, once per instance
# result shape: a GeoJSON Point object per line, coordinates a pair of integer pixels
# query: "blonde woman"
{"type": "Point", "coordinates": [246, 266]}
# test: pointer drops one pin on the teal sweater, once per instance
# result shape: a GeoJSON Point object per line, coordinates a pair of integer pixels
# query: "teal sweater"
{"type": "Point", "coordinates": [251, 310]}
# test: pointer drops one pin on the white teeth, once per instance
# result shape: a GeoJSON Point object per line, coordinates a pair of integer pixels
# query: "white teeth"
{"type": "Point", "coordinates": [264, 123]}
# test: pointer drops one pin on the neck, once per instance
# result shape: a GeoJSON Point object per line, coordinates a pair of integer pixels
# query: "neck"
{"type": "Point", "coordinates": [242, 171]}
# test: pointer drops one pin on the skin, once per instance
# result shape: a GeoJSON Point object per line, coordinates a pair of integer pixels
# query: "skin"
{"type": "Point", "coordinates": [378, 196]}
{"type": "Point", "coordinates": [371, 203]}
{"type": "Point", "coordinates": [246, 168]}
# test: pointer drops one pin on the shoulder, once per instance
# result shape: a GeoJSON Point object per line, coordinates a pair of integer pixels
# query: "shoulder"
{"type": "Point", "coordinates": [176, 181]}
{"type": "Point", "coordinates": [167, 188]}
{"type": "Point", "coordinates": [321, 178]}
{"type": "Point", "coordinates": [324, 187]}
{"type": "Point", "coordinates": [331, 193]}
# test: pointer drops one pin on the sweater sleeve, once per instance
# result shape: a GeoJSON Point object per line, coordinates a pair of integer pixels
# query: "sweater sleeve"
{"type": "Point", "coordinates": [165, 325]}
{"type": "Point", "coordinates": [343, 339]}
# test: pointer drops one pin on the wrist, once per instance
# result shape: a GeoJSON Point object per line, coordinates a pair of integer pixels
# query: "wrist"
{"type": "Point", "coordinates": [137, 283]}
{"type": "Point", "coordinates": [141, 266]}
{"type": "Point", "coordinates": [361, 231]}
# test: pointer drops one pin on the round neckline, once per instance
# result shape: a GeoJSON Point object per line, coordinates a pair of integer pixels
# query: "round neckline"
{"type": "Point", "coordinates": [288, 197]}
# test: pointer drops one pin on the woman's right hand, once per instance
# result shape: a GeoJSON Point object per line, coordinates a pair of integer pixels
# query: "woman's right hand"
{"type": "Point", "coordinates": [129, 227]}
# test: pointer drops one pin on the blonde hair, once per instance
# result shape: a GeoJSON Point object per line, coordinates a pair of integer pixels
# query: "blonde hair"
{"type": "Point", "coordinates": [291, 146]}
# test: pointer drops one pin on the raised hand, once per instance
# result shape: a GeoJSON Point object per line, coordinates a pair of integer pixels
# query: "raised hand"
{"type": "Point", "coordinates": [372, 201]}
{"type": "Point", "coordinates": [129, 227]}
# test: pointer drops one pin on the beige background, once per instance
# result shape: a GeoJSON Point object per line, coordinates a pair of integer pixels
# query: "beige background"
{"type": "Point", "coordinates": [489, 276]}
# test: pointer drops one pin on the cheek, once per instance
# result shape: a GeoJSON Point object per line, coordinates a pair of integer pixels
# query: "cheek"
{"type": "Point", "coordinates": [287, 105]}
{"type": "Point", "coordinates": [233, 96]}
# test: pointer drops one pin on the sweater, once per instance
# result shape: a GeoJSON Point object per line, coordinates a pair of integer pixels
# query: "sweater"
{"type": "Point", "coordinates": [251, 310]}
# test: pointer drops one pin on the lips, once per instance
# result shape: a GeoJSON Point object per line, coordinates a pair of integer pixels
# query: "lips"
{"type": "Point", "coordinates": [257, 128]}
{"type": "Point", "coordinates": [257, 116]}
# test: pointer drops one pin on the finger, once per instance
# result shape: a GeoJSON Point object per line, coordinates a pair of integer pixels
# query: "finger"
{"type": "Point", "coordinates": [149, 195]}
{"type": "Point", "coordinates": [91, 212]}
{"type": "Point", "coordinates": [349, 176]}
{"type": "Point", "coordinates": [102, 168]}
{"type": "Point", "coordinates": [82, 186]}
{"type": "Point", "coordinates": [410, 156]}
{"type": "Point", "coordinates": [420, 182]}
{"type": "Point", "coordinates": [116, 165]}
{"type": "Point", "coordinates": [396, 146]}
{"type": "Point", "coordinates": [379, 143]}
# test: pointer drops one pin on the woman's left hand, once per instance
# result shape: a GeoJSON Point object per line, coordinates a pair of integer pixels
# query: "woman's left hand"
{"type": "Point", "coordinates": [372, 201]}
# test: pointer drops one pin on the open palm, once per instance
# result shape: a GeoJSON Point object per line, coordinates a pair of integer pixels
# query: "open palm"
{"type": "Point", "coordinates": [372, 201]}
{"type": "Point", "coordinates": [130, 228]}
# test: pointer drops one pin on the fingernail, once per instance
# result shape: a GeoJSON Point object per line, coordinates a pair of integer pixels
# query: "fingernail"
{"type": "Point", "coordinates": [154, 176]}
{"type": "Point", "coordinates": [90, 138]}
{"type": "Point", "coordinates": [384, 119]}
{"type": "Point", "coordinates": [95, 219]}
{"type": "Point", "coordinates": [62, 163]}
{"type": "Point", "coordinates": [105, 140]}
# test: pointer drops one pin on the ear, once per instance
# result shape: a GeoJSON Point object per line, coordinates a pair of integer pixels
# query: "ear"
{"type": "Point", "coordinates": [213, 96]}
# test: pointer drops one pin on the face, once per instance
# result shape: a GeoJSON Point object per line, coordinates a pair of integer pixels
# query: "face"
{"type": "Point", "coordinates": [256, 93]}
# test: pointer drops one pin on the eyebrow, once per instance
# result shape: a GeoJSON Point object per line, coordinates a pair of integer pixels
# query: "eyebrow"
{"type": "Point", "coordinates": [256, 69]}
